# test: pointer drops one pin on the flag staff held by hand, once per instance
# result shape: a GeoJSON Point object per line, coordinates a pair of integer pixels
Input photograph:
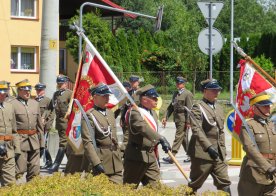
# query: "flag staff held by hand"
{"type": "Point", "coordinates": [256, 66]}
{"type": "Point", "coordinates": [80, 32]}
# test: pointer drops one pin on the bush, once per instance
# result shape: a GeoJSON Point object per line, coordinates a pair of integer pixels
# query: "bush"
{"type": "Point", "coordinates": [89, 185]}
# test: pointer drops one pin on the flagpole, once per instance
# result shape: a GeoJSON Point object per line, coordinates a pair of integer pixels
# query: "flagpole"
{"type": "Point", "coordinates": [74, 91]}
{"type": "Point", "coordinates": [256, 66]}
{"type": "Point", "coordinates": [80, 32]}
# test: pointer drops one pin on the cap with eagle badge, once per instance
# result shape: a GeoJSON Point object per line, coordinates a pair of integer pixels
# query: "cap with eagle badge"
{"type": "Point", "coordinates": [261, 99]}
{"type": "Point", "coordinates": [210, 84]}
{"type": "Point", "coordinates": [148, 91]}
{"type": "Point", "coordinates": [62, 79]}
{"type": "Point", "coordinates": [180, 80]}
{"type": "Point", "coordinates": [40, 86]}
{"type": "Point", "coordinates": [100, 89]}
{"type": "Point", "coordinates": [3, 87]}
{"type": "Point", "coordinates": [24, 85]}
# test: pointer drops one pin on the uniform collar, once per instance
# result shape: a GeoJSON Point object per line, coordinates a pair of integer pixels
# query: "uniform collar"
{"type": "Point", "coordinates": [99, 108]}
{"type": "Point", "coordinates": [261, 120]}
{"type": "Point", "coordinates": [39, 98]}
{"type": "Point", "coordinates": [209, 103]}
{"type": "Point", "coordinates": [24, 102]}
{"type": "Point", "coordinates": [61, 91]}
{"type": "Point", "coordinates": [181, 91]}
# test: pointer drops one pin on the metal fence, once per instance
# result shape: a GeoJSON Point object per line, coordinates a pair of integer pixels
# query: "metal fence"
{"type": "Point", "coordinates": [164, 81]}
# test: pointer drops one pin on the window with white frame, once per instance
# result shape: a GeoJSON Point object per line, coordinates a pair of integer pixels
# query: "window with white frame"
{"type": "Point", "coordinates": [23, 59]}
{"type": "Point", "coordinates": [23, 8]}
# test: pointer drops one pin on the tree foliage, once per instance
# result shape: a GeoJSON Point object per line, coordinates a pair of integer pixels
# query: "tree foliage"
{"type": "Point", "coordinates": [135, 47]}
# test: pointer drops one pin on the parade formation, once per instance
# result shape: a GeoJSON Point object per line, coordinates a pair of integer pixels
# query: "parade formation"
{"type": "Point", "coordinates": [106, 111]}
{"type": "Point", "coordinates": [26, 122]}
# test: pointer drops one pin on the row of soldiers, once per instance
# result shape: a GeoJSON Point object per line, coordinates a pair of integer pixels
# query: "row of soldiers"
{"type": "Point", "coordinates": [24, 123]}
{"type": "Point", "coordinates": [22, 137]}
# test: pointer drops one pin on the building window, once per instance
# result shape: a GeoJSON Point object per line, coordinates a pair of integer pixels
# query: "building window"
{"type": "Point", "coordinates": [62, 61]}
{"type": "Point", "coordinates": [23, 59]}
{"type": "Point", "coordinates": [23, 8]}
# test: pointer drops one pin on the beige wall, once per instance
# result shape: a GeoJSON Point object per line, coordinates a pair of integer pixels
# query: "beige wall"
{"type": "Point", "coordinates": [19, 32]}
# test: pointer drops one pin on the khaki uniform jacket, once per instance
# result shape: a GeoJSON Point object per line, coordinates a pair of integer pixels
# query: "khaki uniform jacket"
{"type": "Point", "coordinates": [28, 118]}
{"type": "Point", "coordinates": [45, 111]}
{"type": "Point", "coordinates": [8, 127]}
{"type": "Point", "coordinates": [60, 102]}
{"type": "Point", "coordinates": [177, 106]}
{"type": "Point", "coordinates": [9, 98]}
{"type": "Point", "coordinates": [254, 165]}
{"type": "Point", "coordinates": [212, 124]}
{"type": "Point", "coordinates": [142, 139]}
{"type": "Point", "coordinates": [110, 159]}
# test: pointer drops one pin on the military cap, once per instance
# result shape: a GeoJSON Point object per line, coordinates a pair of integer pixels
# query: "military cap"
{"type": "Point", "coordinates": [261, 99]}
{"type": "Point", "coordinates": [180, 80]}
{"type": "Point", "coordinates": [100, 89]}
{"type": "Point", "coordinates": [24, 85]}
{"type": "Point", "coordinates": [3, 87]}
{"type": "Point", "coordinates": [126, 85]}
{"type": "Point", "coordinates": [62, 78]}
{"type": "Point", "coordinates": [210, 84]}
{"type": "Point", "coordinates": [148, 91]}
{"type": "Point", "coordinates": [40, 86]}
{"type": "Point", "coordinates": [134, 78]}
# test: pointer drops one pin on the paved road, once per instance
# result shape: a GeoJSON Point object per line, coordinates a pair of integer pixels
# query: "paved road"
{"type": "Point", "coordinates": [170, 175]}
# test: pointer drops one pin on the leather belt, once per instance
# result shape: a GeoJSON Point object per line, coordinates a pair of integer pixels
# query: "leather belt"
{"type": "Point", "coordinates": [6, 137]}
{"type": "Point", "coordinates": [27, 132]}
{"type": "Point", "coordinates": [271, 156]}
{"type": "Point", "coordinates": [145, 148]}
{"type": "Point", "coordinates": [111, 147]}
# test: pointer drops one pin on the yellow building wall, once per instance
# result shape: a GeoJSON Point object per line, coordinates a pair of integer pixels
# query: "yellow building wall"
{"type": "Point", "coordinates": [18, 32]}
{"type": "Point", "coordinates": [71, 66]}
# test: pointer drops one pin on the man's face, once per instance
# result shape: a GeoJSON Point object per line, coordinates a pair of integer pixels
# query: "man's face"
{"type": "Point", "coordinates": [135, 85]}
{"type": "Point", "coordinates": [149, 102]}
{"type": "Point", "coordinates": [40, 92]}
{"type": "Point", "coordinates": [62, 86]}
{"type": "Point", "coordinates": [262, 111]}
{"type": "Point", "coordinates": [101, 101]}
{"type": "Point", "coordinates": [24, 94]}
{"type": "Point", "coordinates": [2, 97]}
{"type": "Point", "coordinates": [211, 94]}
{"type": "Point", "coordinates": [179, 86]}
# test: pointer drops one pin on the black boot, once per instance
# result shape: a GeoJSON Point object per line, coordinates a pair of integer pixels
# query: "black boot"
{"type": "Point", "coordinates": [48, 158]}
{"type": "Point", "coordinates": [227, 190]}
{"type": "Point", "coordinates": [58, 160]}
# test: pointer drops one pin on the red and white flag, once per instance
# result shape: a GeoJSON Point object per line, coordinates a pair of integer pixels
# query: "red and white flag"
{"type": "Point", "coordinates": [250, 83]}
{"type": "Point", "coordinates": [92, 72]}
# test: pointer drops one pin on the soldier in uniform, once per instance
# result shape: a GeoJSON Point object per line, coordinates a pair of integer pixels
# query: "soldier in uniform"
{"type": "Point", "coordinates": [207, 145]}
{"type": "Point", "coordinates": [30, 130]}
{"type": "Point", "coordinates": [47, 118]}
{"type": "Point", "coordinates": [60, 103]}
{"type": "Point", "coordinates": [9, 139]}
{"type": "Point", "coordinates": [134, 83]}
{"type": "Point", "coordinates": [182, 97]}
{"type": "Point", "coordinates": [257, 175]}
{"type": "Point", "coordinates": [140, 159]}
{"type": "Point", "coordinates": [107, 157]}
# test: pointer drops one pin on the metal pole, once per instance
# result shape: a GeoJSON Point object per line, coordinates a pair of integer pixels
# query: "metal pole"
{"type": "Point", "coordinates": [107, 8]}
{"type": "Point", "coordinates": [231, 52]}
{"type": "Point", "coordinates": [49, 50]}
{"type": "Point", "coordinates": [210, 40]}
